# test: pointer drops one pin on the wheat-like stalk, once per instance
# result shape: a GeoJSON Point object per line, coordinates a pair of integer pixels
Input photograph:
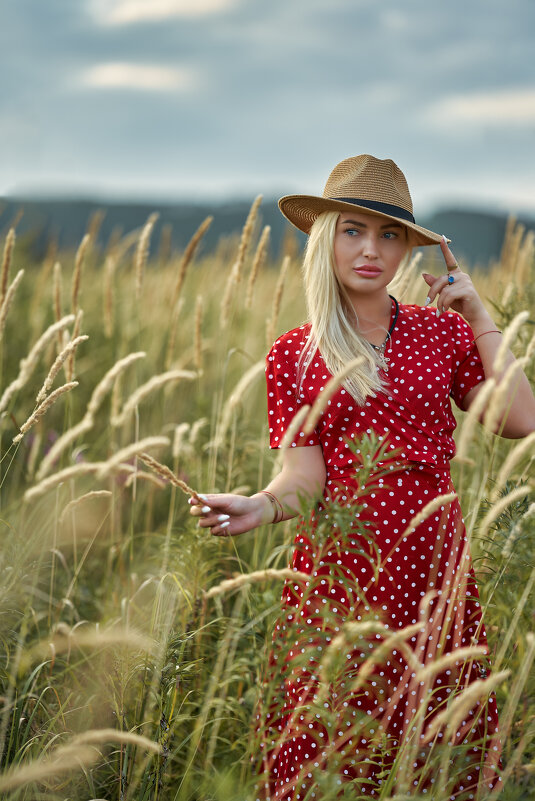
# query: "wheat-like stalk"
{"type": "Point", "coordinates": [326, 394]}
{"type": "Point", "coordinates": [461, 706]}
{"type": "Point", "coordinates": [246, 236]}
{"type": "Point", "coordinates": [524, 447]}
{"type": "Point", "coordinates": [43, 408]}
{"type": "Point", "coordinates": [134, 449]}
{"type": "Point", "coordinates": [179, 438]}
{"type": "Point", "coordinates": [87, 496]}
{"type": "Point", "coordinates": [277, 299]}
{"type": "Point", "coordinates": [28, 364]}
{"type": "Point", "coordinates": [6, 263]}
{"type": "Point", "coordinates": [237, 396]}
{"type": "Point", "coordinates": [428, 510]}
{"type": "Point", "coordinates": [253, 578]}
{"type": "Point", "coordinates": [472, 417]}
{"type": "Point", "coordinates": [7, 301]}
{"type": "Point", "coordinates": [142, 392]}
{"type": "Point", "coordinates": [196, 428]}
{"type": "Point", "coordinates": [258, 261]}
{"type": "Point", "coordinates": [497, 509]}
{"type": "Point", "coordinates": [56, 367]}
{"type": "Point", "coordinates": [230, 288]}
{"type": "Point", "coordinates": [84, 468]}
{"type": "Point", "coordinates": [467, 654]}
{"type": "Point", "coordinates": [189, 253]}
{"type": "Point", "coordinates": [109, 273]}
{"type": "Point", "coordinates": [500, 397]}
{"type": "Point", "coordinates": [77, 274]}
{"type": "Point", "coordinates": [167, 474]}
{"type": "Point", "coordinates": [69, 367]}
{"type": "Point", "coordinates": [87, 422]}
{"type": "Point", "coordinates": [144, 476]}
{"type": "Point", "coordinates": [172, 332]}
{"type": "Point", "coordinates": [142, 252]}
{"type": "Point", "coordinates": [509, 335]}
{"type": "Point", "coordinates": [515, 531]}
{"type": "Point", "coordinates": [197, 328]}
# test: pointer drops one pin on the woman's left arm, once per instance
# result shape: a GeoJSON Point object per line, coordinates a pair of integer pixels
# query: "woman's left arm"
{"type": "Point", "coordinates": [518, 419]}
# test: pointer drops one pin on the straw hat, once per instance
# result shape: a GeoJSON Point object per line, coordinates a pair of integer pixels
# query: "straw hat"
{"type": "Point", "coordinates": [375, 186]}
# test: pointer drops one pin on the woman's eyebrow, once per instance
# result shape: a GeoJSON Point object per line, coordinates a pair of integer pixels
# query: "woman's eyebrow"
{"type": "Point", "coordinates": [363, 225]}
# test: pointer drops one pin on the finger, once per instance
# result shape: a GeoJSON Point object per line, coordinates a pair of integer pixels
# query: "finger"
{"type": "Point", "coordinates": [221, 530]}
{"type": "Point", "coordinates": [435, 287]}
{"type": "Point", "coordinates": [449, 258]}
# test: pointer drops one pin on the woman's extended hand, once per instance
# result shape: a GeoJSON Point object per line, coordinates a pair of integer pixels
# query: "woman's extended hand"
{"type": "Point", "coordinates": [461, 295]}
{"type": "Point", "coordinates": [226, 514]}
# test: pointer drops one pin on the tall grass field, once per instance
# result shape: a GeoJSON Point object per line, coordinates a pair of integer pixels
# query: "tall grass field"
{"type": "Point", "coordinates": [133, 644]}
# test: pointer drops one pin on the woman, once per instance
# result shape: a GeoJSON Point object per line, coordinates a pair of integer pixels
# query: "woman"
{"type": "Point", "coordinates": [407, 590]}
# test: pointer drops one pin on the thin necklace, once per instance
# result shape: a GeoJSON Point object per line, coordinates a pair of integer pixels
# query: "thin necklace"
{"type": "Point", "coordinates": [383, 361]}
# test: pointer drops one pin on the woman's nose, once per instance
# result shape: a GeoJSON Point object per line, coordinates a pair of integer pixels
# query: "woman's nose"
{"type": "Point", "coordinates": [369, 245]}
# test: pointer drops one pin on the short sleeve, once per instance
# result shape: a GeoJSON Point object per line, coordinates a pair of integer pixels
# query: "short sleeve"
{"type": "Point", "coordinates": [283, 397]}
{"type": "Point", "coordinates": [468, 368]}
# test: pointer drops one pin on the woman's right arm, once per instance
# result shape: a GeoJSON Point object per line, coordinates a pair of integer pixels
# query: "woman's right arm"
{"type": "Point", "coordinates": [302, 478]}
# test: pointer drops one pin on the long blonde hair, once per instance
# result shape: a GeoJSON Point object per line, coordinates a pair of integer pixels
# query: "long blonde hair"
{"type": "Point", "coordinates": [332, 316]}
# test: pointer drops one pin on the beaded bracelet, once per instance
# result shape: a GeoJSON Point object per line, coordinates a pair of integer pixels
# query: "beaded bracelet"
{"type": "Point", "coordinates": [494, 331]}
{"type": "Point", "coordinates": [276, 504]}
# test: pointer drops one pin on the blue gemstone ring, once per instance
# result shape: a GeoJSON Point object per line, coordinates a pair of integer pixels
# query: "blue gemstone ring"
{"type": "Point", "coordinates": [451, 279]}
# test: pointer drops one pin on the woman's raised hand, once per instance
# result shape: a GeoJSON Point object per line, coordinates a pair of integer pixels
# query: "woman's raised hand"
{"type": "Point", "coordinates": [226, 514]}
{"type": "Point", "coordinates": [458, 294]}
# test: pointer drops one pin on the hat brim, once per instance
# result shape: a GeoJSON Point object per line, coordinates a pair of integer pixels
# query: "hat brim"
{"type": "Point", "coordinates": [303, 210]}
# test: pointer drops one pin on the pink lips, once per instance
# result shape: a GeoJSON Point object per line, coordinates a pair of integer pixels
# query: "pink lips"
{"type": "Point", "coordinates": [367, 271]}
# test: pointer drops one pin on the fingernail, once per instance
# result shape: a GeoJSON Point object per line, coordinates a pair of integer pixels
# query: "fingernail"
{"type": "Point", "coordinates": [224, 525]}
{"type": "Point", "coordinates": [205, 509]}
{"type": "Point", "coordinates": [191, 501]}
{"type": "Point", "coordinates": [223, 517]}
{"type": "Point", "coordinates": [427, 301]}
{"type": "Point", "coordinates": [203, 497]}
{"type": "Point", "coordinates": [445, 239]}
{"type": "Point", "coordinates": [438, 312]}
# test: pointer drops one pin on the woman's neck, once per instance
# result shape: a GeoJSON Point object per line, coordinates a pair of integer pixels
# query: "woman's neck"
{"type": "Point", "coordinates": [373, 314]}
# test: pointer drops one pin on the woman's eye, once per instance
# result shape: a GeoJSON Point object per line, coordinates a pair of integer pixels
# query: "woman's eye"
{"type": "Point", "coordinates": [390, 235]}
{"type": "Point", "coordinates": [351, 231]}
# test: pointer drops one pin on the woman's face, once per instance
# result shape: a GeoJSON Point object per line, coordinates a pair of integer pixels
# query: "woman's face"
{"type": "Point", "coordinates": [367, 251]}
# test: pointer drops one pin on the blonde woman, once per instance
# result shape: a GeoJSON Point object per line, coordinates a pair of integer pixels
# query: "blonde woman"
{"type": "Point", "coordinates": [372, 568]}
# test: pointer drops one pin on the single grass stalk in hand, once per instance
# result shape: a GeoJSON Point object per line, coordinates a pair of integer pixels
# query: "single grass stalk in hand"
{"type": "Point", "coordinates": [28, 364]}
{"type": "Point", "coordinates": [277, 299]}
{"type": "Point", "coordinates": [142, 252]}
{"type": "Point", "coordinates": [142, 392]}
{"type": "Point", "coordinates": [167, 474]}
{"type": "Point", "coordinates": [43, 408]}
{"type": "Point", "coordinates": [6, 263]}
{"type": "Point", "coordinates": [87, 422]}
{"type": "Point", "coordinates": [187, 257]}
{"type": "Point", "coordinates": [77, 274]}
{"type": "Point", "coordinates": [7, 301]}
{"type": "Point", "coordinates": [258, 261]}
{"type": "Point", "coordinates": [56, 367]}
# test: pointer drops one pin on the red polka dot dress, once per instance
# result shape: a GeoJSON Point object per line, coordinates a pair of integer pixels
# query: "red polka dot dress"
{"type": "Point", "coordinates": [354, 695]}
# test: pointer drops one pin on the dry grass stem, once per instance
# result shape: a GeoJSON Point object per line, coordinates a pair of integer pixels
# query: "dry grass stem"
{"type": "Point", "coordinates": [258, 261]}
{"type": "Point", "coordinates": [326, 394]}
{"type": "Point", "coordinates": [82, 469]}
{"type": "Point", "coordinates": [77, 274]}
{"type": "Point", "coordinates": [429, 509]}
{"type": "Point", "coordinates": [197, 344]}
{"type": "Point", "coordinates": [6, 263]}
{"type": "Point", "coordinates": [142, 252]}
{"type": "Point", "coordinates": [28, 364]}
{"type": "Point", "coordinates": [134, 449]}
{"type": "Point", "coordinates": [64, 759]}
{"type": "Point", "coordinates": [142, 392]}
{"type": "Point", "coordinates": [167, 474]}
{"type": "Point", "coordinates": [7, 301]}
{"type": "Point", "coordinates": [457, 710]}
{"type": "Point", "coordinates": [472, 417]}
{"type": "Point", "coordinates": [253, 578]}
{"type": "Point", "coordinates": [188, 255]}
{"type": "Point", "coordinates": [497, 509]}
{"type": "Point", "coordinates": [88, 496]}
{"type": "Point", "coordinates": [109, 299]}
{"type": "Point", "coordinates": [69, 367]}
{"type": "Point", "coordinates": [237, 396]}
{"type": "Point", "coordinates": [524, 448]}
{"type": "Point", "coordinates": [56, 367]}
{"type": "Point", "coordinates": [460, 655]}
{"type": "Point", "coordinates": [144, 476]}
{"type": "Point", "coordinates": [179, 438]}
{"type": "Point", "coordinates": [277, 300]}
{"type": "Point", "coordinates": [501, 396]}
{"type": "Point", "coordinates": [509, 336]}
{"type": "Point", "coordinates": [246, 234]}
{"type": "Point", "coordinates": [228, 295]}
{"type": "Point", "coordinates": [87, 422]}
{"type": "Point", "coordinates": [43, 408]}
{"type": "Point", "coordinates": [172, 333]}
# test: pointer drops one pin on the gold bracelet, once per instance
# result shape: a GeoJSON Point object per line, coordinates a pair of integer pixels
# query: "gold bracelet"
{"type": "Point", "coordinates": [276, 504]}
{"type": "Point", "coordinates": [494, 331]}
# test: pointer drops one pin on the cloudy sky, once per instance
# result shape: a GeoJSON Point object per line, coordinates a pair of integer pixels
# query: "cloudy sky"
{"type": "Point", "coordinates": [172, 99]}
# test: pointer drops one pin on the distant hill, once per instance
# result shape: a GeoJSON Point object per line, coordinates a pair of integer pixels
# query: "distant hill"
{"type": "Point", "coordinates": [477, 235]}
